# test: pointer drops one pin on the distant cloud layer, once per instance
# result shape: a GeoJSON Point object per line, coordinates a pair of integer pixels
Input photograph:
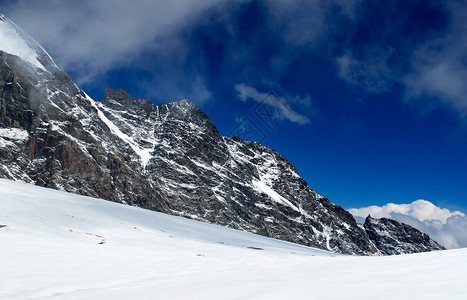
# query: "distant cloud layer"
{"type": "Point", "coordinates": [449, 228]}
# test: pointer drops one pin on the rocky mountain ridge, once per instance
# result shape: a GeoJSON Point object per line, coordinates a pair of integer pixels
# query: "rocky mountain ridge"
{"type": "Point", "coordinates": [168, 157]}
{"type": "Point", "coordinates": [392, 237]}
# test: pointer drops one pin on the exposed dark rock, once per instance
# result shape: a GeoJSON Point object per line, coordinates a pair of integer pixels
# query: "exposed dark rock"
{"type": "Point", "coordinates": [392, 237]}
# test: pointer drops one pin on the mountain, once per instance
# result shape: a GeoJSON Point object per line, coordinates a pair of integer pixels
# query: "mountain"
{"type": "Point", "coordinates": [392, 237]}
{"type": "Point", "coordinates": [168, 157]}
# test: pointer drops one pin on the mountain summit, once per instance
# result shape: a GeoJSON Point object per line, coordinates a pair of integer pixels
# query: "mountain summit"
{"type": "Point", "coordinates": [168, 157]}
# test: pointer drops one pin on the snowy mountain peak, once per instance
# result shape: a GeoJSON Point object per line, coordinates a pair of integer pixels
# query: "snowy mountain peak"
{"type": "Point", "coordinates": [184, 104]}
{"type": "Point", "coordinates": [14, 41]}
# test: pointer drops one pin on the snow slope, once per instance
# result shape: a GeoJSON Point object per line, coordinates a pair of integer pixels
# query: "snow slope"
{"type": "Point", "coordinates": [63, 246]}
{"type": "Point", "coordinates": [15, 41]}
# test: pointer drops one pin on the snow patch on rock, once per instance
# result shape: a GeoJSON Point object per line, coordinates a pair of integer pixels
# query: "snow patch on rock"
{"type": "Point", "coordinates": [262, 187]}
{"type": "Point", "coordinates": [144, 154]}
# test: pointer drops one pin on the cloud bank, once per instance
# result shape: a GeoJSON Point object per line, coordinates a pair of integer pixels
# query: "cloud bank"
{"type": "Point", "coordinates": [449, 228]}
{"type": "Point", "coordinates": [91, 38]}
{"type": "Point", "coordinates": [178, 46]}
{"type": "Point", "coordinates": [94, 35]}
{"type": "Point", "coordinates": [191, 49]}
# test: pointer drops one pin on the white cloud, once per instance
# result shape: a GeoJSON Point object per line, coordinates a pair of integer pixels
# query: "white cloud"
{"type": "Point", "coordinates": [421, 210]}
{"type": "Point", "coordinates": [280, 104]}
{"type": "Point", "coordinates": [94, 35]}
{"type": "Point", "coordinates": [449, 228]}
{"type": "Point", "coordinates": [91, 38]}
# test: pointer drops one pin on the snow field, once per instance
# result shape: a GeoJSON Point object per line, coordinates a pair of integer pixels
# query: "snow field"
{"type": "Point", "coordinates": [63, 246]}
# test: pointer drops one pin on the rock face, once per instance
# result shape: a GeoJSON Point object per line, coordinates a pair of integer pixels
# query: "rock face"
{"type": "Point", "coordinates": [392, 237]}
{"type": "Point", "coordinates": [168, 157]}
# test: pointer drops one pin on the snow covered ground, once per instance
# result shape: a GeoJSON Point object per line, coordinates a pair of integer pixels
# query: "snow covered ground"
{"type": "Point", "coordinates": [63, 246]}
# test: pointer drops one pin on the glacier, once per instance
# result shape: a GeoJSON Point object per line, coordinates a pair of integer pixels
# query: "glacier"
{"type": "Point", "coordinates": [65, 246]}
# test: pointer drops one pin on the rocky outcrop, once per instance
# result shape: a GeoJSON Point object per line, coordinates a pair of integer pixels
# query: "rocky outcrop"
{"type": "Point", "coordinates": [392, 237]}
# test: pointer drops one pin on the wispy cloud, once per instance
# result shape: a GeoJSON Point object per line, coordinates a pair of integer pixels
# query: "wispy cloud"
{"type": "Point", "coordinates": [430, 62]}
{"type": "Point", "coordinates": [97, 34]}
{"type": "Point", "coordinates": [175, 42]}
{"type": "Point", "coordinates": [439, 67]}
{"type": "Point", "coordinates": [301, 23]}
{"type": "Point", "coordinates": [188, 44]}
{"type": "Point", "coordinates": [371, 74]}
{"type": "Point", "coordinates": [449, 228]}
{"type": "Point", "coordinates": [281, 104]}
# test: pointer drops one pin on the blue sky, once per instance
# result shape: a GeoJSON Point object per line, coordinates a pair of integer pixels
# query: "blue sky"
{"type": "Point", "coordinates": [368, 99]}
